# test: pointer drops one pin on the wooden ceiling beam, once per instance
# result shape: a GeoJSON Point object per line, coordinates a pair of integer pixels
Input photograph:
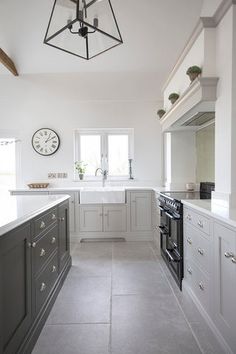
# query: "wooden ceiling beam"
{"type": "Point", "coordinates": [8, 63]}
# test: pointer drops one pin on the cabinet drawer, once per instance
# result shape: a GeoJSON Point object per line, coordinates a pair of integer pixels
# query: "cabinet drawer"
{"type": "Point", "coordinates": [44, 221]}
{"type": "Point", "coordinates": [44, 247]}
{"type": "Point", "coordinates": [197, 247]}
{"type": "Point", "coordinates": [198, 220]}
{"type": "Point", "coordinates": [198, 282]}
{"type": "Point", "coordinates": [44, 283]}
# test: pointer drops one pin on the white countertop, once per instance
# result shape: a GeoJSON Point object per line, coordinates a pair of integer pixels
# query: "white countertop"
{"type": "Point", "coordinates": [210, 208]}
{"type": "Point", "coordinates": [16, 210]}
{"type": "Point", "coordinates": [77, 189]}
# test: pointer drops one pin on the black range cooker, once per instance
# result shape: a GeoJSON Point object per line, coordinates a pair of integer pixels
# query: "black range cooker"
{"type": "Point", "coordinates": [171, 226]}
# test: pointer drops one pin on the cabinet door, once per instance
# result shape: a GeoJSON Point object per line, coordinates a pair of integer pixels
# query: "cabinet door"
{"type": "Point", "coordinates": [91, 219]}
{"type": "Point", "coordinates": [71, 209]}
{"type": "Point", "coordinates": [64, 234]}
{"type": "Point", "coordinates": [141, 211]}
{"type": "Point", "coordinates": [114, 218]}
{"type": "Point", "coordinates": [15, 288]}
{"type": "Point", "coordinates": [225, 282]}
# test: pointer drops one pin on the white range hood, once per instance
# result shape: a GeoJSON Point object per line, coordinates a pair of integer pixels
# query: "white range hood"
{"type": "Point", "coordinates": [194, 108]}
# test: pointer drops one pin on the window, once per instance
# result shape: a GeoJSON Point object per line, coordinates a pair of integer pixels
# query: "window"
{"type": "Point", "coordinates": [7, 165]}
{"type": "Point", "coordinates": [109, 149]}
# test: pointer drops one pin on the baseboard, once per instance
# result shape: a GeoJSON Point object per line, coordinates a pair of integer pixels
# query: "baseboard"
{"type": "Point", "coordinates": [225, 348]}
{"type": "Point", "coordinates": [128, 236]}
{"type": "Point", "coordinates": [37, 326]}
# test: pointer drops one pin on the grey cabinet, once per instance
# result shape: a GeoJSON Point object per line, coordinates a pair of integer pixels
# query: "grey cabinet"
{"type": "Point", "coordinates": [15, 288]}
{"type": "Point", "coordinates": [141, 211]}
{"type": "Point", "coordinates": [64, 234]}
{"type": "Point", "coordinates": [34, 261]}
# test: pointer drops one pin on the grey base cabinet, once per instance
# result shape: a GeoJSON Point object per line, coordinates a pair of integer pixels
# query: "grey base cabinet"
{"type": "Point", "coordinates": [34, 261]}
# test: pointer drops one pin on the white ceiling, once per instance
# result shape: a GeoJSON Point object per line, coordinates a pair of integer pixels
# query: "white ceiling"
{"type": "Point", "coordinates": [154, 33]}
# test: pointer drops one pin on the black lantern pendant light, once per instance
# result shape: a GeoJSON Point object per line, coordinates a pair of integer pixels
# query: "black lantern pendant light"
{"type": "Point", "coordinates": [85, 28]}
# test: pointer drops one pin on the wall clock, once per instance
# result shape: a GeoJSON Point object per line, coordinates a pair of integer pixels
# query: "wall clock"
{"type": "Point", "coordinates": [45, 141]}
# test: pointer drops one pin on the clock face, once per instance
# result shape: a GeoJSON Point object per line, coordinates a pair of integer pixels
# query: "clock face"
{"type": "Point", "coordinates": [45, 141]}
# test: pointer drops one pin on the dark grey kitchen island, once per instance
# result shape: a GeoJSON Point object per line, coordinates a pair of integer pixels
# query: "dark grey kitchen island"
{"type": "Point", "coordinates": [34, 261]}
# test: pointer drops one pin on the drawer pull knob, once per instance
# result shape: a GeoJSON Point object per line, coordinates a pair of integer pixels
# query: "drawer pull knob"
{"type": "Point", "coordinates": [188, 217]}
{"type": "Point", "coordinates": [189, 241]}
{"type": "Point", "coordinates": [53, 240]}
{"type": "Point", "coordinates": [43, 287]}
{"type": "Point", "coordinates": [42, 252]}
{"type": "Point", "coordinates": [54, 217]}
{"type": "Point", "coordinates": [233, 259]}
{"type": "Point", "coordinates": [33, 244]}
{"type": "Point", "coordinates": [42, 225]}
{"type": "Point", "coordinates": [201, 251]}
{"type": "Point", "coordinates": [201, 286]}
{"type": "Point", "coordinates": [62, 219]}
{"type": "Point", "coordinates": [54, 268]}
{"type": "Point", "coordinates": [200, 223]}
{"type": "Point", "coordinates": [229, 255]}
{"type": "Point", "coordinates": [189, 270]}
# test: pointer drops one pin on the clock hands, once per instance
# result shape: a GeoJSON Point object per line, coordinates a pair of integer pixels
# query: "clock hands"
{"type": "Point", "coordinates": [50, 138]}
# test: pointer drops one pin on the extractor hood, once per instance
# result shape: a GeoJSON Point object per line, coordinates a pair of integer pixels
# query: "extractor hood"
{"type": "Point", "coordinates": [194, 108]}
{"type": "Point", "coordinates": [199, 119]}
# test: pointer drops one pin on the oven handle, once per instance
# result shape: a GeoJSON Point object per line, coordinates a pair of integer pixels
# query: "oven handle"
{"type": "Point", "coordinates": [162, 231]}
{"type": "Point", "coordinates": [172, 258]}
{"type": "Point", "coordinates": [161, 208]}
{"type": "Point", "coordinates": [171, 216]}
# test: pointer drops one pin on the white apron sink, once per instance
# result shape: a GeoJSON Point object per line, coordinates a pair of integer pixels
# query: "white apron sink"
{"type": "Point", "coordinates": [102, 195]}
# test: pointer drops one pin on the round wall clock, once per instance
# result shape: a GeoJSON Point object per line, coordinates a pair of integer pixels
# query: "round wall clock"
{"type": "Point", "coordinates": [45, 141]}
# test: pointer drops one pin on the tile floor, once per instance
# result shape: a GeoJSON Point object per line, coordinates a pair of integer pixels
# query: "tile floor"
{"type": "Point", "coordinates": [119, 298]}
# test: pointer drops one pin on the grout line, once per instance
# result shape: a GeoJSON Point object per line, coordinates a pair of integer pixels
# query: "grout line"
{"type": "Point", "coordinates": [110, 333]}
{"type": "Point", "coordinates": [76, 323]}
{"type": "Point", "coordinates": [179, 305]}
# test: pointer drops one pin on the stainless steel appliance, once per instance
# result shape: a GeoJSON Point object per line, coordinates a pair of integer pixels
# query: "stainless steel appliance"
{"type": "Point", "coordinates": [171, 226]}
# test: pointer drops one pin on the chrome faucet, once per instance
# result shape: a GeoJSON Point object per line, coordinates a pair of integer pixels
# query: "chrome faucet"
{"type": "Point", "coordinates": [104, 175]}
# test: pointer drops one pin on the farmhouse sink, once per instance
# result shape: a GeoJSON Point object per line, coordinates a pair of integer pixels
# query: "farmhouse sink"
{"type": "Point", "coordinates": [102, 195]}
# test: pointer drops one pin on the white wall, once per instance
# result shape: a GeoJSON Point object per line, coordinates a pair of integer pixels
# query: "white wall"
{"type": "Point", "coordinates": [28, 104]}
{"type": "Point", "coordinates": [180, 167]}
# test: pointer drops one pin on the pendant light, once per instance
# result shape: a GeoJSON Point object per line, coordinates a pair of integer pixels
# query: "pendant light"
{"type": "Point", "coordinates": [85, 28]}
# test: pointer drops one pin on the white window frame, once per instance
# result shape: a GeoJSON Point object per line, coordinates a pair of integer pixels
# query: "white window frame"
{"type": "Point", "coordinates": [103, 132]}
{"type": "Point", "coordinates": [15, 135]}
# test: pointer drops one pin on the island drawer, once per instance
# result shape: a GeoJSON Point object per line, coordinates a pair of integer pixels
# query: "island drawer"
{"type": "Point", "coordinates": [44, 222]}
{"type": "Point", "coordinates": [198, 220]}
{"type": "Point", "coordinates": [45, 281]}
{"type": "Point", "coordinates": [44, 247]}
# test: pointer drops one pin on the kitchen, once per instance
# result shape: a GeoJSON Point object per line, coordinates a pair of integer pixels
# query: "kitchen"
{"type": "Point", "coordinates": [93, 181]}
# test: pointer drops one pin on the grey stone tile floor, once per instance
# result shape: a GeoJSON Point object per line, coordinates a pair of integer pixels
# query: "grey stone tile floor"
{"type": "Point", "coordinates": [119, 298]}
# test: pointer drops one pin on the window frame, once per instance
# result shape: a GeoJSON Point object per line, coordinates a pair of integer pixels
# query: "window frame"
{"type": "Point", "coordinates": [104, 133]}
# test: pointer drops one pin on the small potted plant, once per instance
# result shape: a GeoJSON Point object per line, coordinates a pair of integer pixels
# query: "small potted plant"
{"type": "Point", "coordinates": [161, 113]}
{"type": "Point", "coordinates": [193, 72]}
{"type": "Point", "coordinates": [80, 166]}
{"type": "Point", "coordinates": [173, 97]}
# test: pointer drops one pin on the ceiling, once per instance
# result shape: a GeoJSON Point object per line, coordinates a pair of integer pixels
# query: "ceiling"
{"type": "Point", "coordinates": [154, 34]}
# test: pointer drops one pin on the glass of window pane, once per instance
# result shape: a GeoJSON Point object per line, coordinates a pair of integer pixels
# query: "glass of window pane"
{"type": "Point", "coordinates": [118, 154]}
{"type": "Point", "coordinates": [90, 152]}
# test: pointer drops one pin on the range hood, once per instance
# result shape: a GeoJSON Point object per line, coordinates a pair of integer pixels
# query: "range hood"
{"type": "Point", "coordinates": [199, 119]}
{"type": "Point", "coordinates": [194, 108]}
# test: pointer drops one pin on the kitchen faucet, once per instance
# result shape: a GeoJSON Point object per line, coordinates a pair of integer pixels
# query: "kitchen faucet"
{"type": "Point", "coordinates": [104, 175]}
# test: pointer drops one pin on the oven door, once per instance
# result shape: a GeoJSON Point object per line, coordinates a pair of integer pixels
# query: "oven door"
{"type": "Point", "coordinates": [174, 248]}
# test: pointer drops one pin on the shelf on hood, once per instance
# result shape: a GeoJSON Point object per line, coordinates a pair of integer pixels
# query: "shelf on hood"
{"type": "Point", "coordinates": [199, 97]}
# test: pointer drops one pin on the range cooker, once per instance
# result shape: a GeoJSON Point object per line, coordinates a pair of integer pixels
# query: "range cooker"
{"type": "Point", "coordinates": [171, 226]}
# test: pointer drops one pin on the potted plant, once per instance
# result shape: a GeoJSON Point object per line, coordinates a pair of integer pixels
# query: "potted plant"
{"type": "Point", "coordinates": [161, 113]}
{"type": "Point", "coordinates": [173, 97]}
{"type": "Point", "coordinates": [193, 72]}
{"type": "Point", "coordinates": [80, 166]}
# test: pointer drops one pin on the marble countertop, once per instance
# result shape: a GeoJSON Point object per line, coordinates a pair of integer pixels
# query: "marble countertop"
{"type": "Point", "coordinates": [16, 210]}
{"type": "Point", "coordinates": [210, 208]}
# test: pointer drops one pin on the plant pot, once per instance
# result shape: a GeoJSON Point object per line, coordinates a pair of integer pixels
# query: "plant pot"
{"type": "Point", "coordinates": [81, 176]}
{"type": "Point", "coordinates": [161, 113]}
{"type": "Point", "coordinates": [193, 76]}
{"type": "Point", "coordinates": [174, 99]}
